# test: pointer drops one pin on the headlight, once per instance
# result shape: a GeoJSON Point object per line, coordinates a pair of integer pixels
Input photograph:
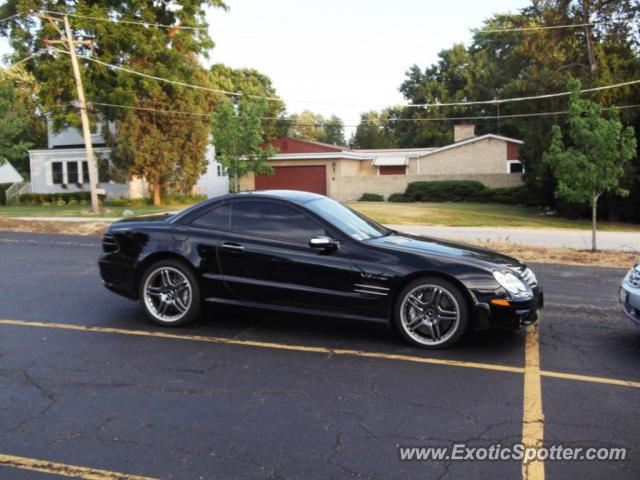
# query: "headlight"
{"type": "Point", "coordinates": [530, 277]}
{"type": "Point", "coordinates": [511, 283]}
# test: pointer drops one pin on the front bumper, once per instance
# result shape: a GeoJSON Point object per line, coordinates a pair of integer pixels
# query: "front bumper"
{"type": "Point", "coordinates": [630, 300]}
{"type": "Point", "coordinates": [518, 314]}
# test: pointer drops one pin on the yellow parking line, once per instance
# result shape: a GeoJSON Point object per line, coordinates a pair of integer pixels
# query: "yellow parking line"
{"type": "Point", "coordinates": [323, 350]}
{"type": "Point", "coordinates": [591, 379]}
{"type": "Point", "coordinates": [278, 346]}
{"type": "Point", "coordinates": [63, 469]}
{"type": "Point", "coordinates": [532, 418]}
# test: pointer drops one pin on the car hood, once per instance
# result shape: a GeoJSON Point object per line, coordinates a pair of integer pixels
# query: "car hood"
{"type": "Point", "coordinates": [444, 248]}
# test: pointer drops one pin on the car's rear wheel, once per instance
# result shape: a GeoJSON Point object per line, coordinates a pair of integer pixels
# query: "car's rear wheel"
{"type": "Point", "coordinates": [169, 293]}
{"type": "Point", "coordinates": [431, 312]}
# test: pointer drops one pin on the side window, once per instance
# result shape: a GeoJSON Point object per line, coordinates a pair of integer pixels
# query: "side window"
{"type": "Point", "coordinates": [273, 220]}
{"type": "Point", "coordinates": [57, 175]}
{"type": "Point", "coordinates": [216, 218]}
{"type": "Point", "coordinates": [72, 172]}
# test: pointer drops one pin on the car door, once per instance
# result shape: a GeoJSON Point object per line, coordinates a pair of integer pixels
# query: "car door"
{"type": "Point", "coordinates": [265, 258]}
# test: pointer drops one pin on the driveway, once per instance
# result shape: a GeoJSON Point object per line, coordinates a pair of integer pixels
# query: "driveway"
{"type": "Point", "coordinates": [90, 389]}
{"type": "Point", "coordinates": [538, 237]}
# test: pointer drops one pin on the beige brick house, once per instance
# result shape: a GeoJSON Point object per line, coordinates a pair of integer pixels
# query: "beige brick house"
{"type": "Point", "coordinates": [345, 174]}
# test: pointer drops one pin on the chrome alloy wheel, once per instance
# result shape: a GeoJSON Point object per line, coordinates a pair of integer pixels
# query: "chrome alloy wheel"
{"type": "Point", "coordinates": [167, 294]}
{"type": "Point", "coordinates": [430, 314]}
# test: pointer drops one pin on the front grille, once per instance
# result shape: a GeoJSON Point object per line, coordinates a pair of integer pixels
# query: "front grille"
{"type": "Point", "coordinates": [109, 243]}
{"type": "Point", "coordinates": [634, 278]}
{"type": "Point", "coordinates": [529, 278]}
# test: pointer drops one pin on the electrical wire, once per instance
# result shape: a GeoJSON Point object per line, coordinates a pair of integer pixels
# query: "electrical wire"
{"type": "Point", "coordinates": [166, 80]}
{"type": "Point", "coordinates": [26, 59]}
{"type": "Point", "coordinates": [538, 27]}
{"type": "Point", "coordinates": [412, 105]}
{"type": "Point", "coordinates": [6, 19]}
{"type": "Point", "coordinates": [128, 22]}
{"type": "Point", "coordinates": [373, 123]}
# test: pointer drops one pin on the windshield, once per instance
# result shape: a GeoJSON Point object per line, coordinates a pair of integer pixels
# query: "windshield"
{"type": "Point", "coordinates": [352, 223]}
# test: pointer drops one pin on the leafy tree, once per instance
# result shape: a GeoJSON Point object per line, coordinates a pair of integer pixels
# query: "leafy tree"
{"type": "Point", "coordinates": [251, 82]}
{"type": "Point", "coordinates": [21, 128]}
{"type": "Point", "coordinates": [333, 131]}
{"type": "Point", "coordinates": [238, 136]}
{"type": "Point", "coordinates": [170, 53]}
{"type": "Point", "coordinates": [595, 160]}
{"type": "Point", "coordinates": [166, 149]}
{"type": "Point", "coordinates": [306, 125]}
{"type": "Point", "coordinates": [374, 131]}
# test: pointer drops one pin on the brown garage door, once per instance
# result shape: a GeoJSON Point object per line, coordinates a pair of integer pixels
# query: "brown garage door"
{"type": "Point", "coordinates": [305, 178]}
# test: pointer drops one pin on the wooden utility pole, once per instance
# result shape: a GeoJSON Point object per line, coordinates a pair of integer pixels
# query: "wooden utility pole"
{"type": "Point", "coordinates": [586, 12]}
{"type": "Point", "coordinates": [70, 43]}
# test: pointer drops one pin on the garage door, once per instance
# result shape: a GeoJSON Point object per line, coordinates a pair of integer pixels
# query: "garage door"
{"type": "Point", "coordinates": [305, 178]}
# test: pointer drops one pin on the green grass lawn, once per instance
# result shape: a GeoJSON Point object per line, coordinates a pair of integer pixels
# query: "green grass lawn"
{"type": "Point", "coordinates": [449, 214]}
{"type": "Point", "coordinates": [473, 215]}
{"type": "Point", "coordinates": [80, 210]}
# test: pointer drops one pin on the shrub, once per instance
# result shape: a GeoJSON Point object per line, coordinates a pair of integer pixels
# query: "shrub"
{"type": "Point", "coordinates": [3, 188]}
{"type": "Point", "coordinates": [399, 198]}
{"type": "Point", "coordinates": [181, 199]}
{"type": "Point", "coordinates": [54, 198]}
{"type": "Point", "coordinates": [128, 202]}
{"type": "Point", "coordinates": [371, 197]}
{"type": "Point", "coordinates": [444, 191]}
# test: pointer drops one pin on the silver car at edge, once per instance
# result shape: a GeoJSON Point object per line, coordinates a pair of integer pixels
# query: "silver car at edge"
{"type": "Point", "coordinates": [630, 294]}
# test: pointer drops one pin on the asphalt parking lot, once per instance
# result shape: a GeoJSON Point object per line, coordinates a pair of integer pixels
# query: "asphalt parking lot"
{"type": "Point", "coordinates": [89, 388]}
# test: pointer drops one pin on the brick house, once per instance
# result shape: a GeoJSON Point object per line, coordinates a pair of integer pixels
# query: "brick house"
{"type": "Point", "coordinates": [345, 174]}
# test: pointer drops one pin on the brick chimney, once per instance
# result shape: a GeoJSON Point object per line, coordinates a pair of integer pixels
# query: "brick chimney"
{"type": "Point", "coordinates": [462, 131]}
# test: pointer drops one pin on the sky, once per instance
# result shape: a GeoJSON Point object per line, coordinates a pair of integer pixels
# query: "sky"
{"type": "Point", "coordinates": [348, 52]}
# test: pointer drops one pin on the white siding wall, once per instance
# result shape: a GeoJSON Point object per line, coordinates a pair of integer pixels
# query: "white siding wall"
{"type": "Point", "coordinates": [211, 183]}
{"type": "Point", "coordinates": [42, 181]}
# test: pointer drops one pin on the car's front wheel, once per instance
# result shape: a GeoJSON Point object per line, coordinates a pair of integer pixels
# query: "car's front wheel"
{"type": "Point", "coordinates": [169, 293]}
{"type": "Point", "coordinates": [431, 312]}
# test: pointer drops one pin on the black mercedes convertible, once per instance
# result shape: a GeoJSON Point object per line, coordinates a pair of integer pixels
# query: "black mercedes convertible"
{"type": "Point", "coordinates": [304, 253]}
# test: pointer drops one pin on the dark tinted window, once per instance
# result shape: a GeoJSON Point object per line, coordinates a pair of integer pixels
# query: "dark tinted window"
{"type": "Point", "coordinates": [217, 218]}
{"type": "Point", "coordinates": [56, 173]}
{"type": "Point", "coordinates": [85, 172]}
{"type": "Point", "coordinates": [516, 167]}
{"type": "Point", "coordinates": [72, 172]}
{"type": "Point", "coordinates": [273, 220]}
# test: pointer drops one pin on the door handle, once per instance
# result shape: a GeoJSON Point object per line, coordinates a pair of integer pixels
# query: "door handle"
{"type": "Point", "coordinates": [233, 247]}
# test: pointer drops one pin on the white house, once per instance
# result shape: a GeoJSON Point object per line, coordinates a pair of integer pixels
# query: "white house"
{"type": "Point", "coordinates": [62, 167]}
{"type": "Point", "coordinates": [8, 174]}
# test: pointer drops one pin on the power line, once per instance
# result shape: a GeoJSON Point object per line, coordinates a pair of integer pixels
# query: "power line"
{"type": "Point", "coordinates": [128, 22]}
{"type": "Point", "coordinates": [538, 27]}
{"type": "Point", "coordinates": [413, 105]}
{"type": "Point", "coordinates": [6, 19]}
{"type": "Point", "coordinates": [373, 123]}
{"type": "Point", "coordinates": [173, 82]}
{"type": "Point", "coordinates": [26, 59]}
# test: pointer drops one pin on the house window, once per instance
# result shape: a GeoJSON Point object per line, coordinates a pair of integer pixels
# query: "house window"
{"type": "Point", "coordinates": [221, 171]}
{"type": "Point", "coordinates": [85, 172]}
{"type": "Point", "coordinates": [396, 170]}
{"type": "Point", "coordinates": [57, 173]}
{"type": "Point", "coordinates": [515, 166]}
{"type": "Point", "coordinates": [72, 172]}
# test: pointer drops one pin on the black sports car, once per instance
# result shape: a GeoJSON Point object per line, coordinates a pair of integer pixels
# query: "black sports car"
{"type": "Point", "coordinates": [305, 253]}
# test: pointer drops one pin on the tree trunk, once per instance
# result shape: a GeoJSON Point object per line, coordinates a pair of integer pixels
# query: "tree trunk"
{"type": "Point", "coordinates": [236, 186]}
{"type": "Point", "coordinates": [594, 221]}
{"type": "Point", "coordinates": [157, 194]}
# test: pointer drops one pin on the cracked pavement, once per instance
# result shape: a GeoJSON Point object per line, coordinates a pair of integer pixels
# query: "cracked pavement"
{"type": "Point", "coordinates": [176, 409]}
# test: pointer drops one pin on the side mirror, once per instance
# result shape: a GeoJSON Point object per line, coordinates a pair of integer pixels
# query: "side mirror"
{"type": "Point", "coordinates": [322, 242]}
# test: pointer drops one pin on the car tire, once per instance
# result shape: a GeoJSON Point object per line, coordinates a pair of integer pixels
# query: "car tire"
{"type": "Point", "coordinates": [428, 319]}
{"type": "Point", "coordinates": [169, 293]}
